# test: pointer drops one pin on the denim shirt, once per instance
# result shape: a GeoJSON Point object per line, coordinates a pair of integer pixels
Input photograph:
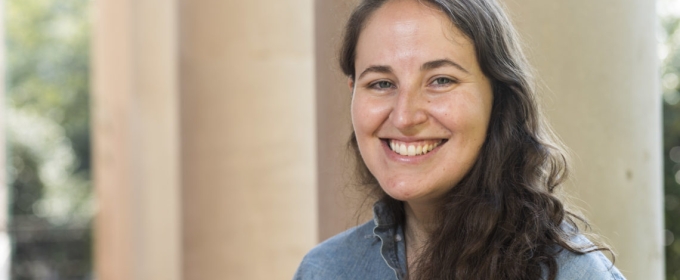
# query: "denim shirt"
{"type": "Point", "coordinates": [376, 250]}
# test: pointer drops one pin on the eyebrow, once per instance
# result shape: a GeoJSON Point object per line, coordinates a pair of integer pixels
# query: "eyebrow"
{"type": "Point", "coordinates": [426, 66]}
{"type": "Point", "coordinates": [376, 69]}
{"type": "Point", "coordinates": [441, 63]}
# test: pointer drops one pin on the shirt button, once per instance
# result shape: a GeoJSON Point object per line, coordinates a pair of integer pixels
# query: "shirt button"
{"type": "Point", "coordinates": [397, 238]}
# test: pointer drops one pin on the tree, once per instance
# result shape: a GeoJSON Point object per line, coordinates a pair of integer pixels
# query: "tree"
{"type": "Point", "coordinates": [47, 44]}
{"type": "Point", "coordinates": [670, 73]}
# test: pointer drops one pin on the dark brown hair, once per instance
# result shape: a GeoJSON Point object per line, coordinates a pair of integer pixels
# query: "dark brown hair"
{"type": "Point", "coordinates": [502, 220]}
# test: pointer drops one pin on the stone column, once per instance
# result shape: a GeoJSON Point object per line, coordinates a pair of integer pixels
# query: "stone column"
{"type": "Point", "coordinates": [135, 129]}
{"type": "Point", "coordinates": [204, 138]}
{"type": "Point", "coordinates": [248, 137]}
{"type": "Point", "coordinates": [597, 67]}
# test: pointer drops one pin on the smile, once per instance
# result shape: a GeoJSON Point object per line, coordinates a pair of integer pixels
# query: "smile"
{"type": "Point", "coordinates": [413, 148]}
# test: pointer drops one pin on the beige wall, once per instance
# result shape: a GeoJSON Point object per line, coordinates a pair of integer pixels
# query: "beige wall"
{"type": "Point", "coordinates": [338, 201]}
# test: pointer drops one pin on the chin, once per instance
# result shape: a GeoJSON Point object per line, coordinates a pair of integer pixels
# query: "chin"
{"type": "Point", "coordinates": [402, 192]}
{"type": "Point", "coordinates": [416, 191]}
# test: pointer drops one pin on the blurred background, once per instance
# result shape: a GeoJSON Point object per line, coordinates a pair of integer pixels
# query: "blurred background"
{"type": "Point", "coordinates": [214, 133]}
{"type": "Point", "coordinates": [669, 53]}
{"type": "Point", "coordinates": [47, 125]}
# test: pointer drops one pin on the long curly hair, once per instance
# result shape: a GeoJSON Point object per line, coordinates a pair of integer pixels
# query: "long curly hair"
{"type": "Point", "coordinates": [502, 220]}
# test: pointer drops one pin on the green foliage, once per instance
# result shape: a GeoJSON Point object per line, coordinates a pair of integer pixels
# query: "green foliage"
{"type": "Point", "coordinates": [670, 74]}
{"type": "Point", "coordinates": [47, 51]}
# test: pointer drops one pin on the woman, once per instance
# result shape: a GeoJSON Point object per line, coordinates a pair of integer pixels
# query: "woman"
{"type": "Point", "coordinates": [448, 132]}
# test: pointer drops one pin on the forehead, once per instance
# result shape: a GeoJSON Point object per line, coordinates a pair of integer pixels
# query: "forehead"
{"type": "Point", "coordinates": [411, 32]}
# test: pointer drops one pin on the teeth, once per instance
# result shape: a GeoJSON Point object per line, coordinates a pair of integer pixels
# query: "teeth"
{"type": "Point", "coordinates": [412, 150]}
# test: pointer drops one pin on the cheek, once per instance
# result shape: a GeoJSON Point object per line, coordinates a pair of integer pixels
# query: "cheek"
{"type": "Point", "coordinates": [449, 112]}
{"type": "Point", "coordinates": [467, 112]}
{"type": "Point", "coordinates": [356, 111]}
{"type": "Point", "coordinates": [368, 113]}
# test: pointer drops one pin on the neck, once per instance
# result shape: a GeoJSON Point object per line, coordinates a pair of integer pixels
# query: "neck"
{"type": "Point", "coordinates": [419, 219]}
{"type": "Point", "coordinates": [418, 227]}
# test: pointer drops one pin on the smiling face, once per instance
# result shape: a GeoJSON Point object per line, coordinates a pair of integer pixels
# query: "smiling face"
{"type": "Point", "coordinates": [421, 104]}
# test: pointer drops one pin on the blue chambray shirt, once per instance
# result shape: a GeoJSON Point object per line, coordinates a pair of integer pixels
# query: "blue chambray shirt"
{"type": "Point", "coordinates": [376, 250]}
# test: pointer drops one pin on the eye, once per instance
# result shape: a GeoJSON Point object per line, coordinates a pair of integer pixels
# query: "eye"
{"type": "Point", "coordinates": [382, 85]}
{"type": "Point", "coordinates": [442, 81]}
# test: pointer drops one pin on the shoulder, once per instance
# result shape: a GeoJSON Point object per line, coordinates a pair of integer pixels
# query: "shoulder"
{"type": "Point", "coordinates": [350, 243]}
{"type": "Point", "coordinates": [344, 256]}
{"type": "Point", "coordinates": [588, 266]}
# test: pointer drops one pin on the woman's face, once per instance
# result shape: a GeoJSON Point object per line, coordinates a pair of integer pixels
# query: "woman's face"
{"type": "Point", "coordinates": [421, 104]}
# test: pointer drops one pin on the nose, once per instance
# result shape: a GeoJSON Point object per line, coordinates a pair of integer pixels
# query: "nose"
{"type": "Point", "coordinates": [409, 111]}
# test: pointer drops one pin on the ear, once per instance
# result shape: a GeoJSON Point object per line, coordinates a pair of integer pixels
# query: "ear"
{"type": "Point", "coordinates": [350, 83]}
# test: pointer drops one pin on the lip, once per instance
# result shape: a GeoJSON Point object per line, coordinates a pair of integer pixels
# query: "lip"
{"type": "Point", "coordinates": [407, 159]}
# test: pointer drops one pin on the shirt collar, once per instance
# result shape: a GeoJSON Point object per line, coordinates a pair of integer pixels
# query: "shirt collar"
{"type": "Point", "coordinates": [382, 216]}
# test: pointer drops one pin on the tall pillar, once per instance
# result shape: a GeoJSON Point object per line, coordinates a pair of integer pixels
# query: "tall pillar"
{"type": "Point", "coordinates": [136, 145]}
{"type": "Point", "coordinates": [248, 137]}
{"type": "Point", "coordinates": [204, 139]}
{"type": "Point", "coordinates": [597, 65]}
